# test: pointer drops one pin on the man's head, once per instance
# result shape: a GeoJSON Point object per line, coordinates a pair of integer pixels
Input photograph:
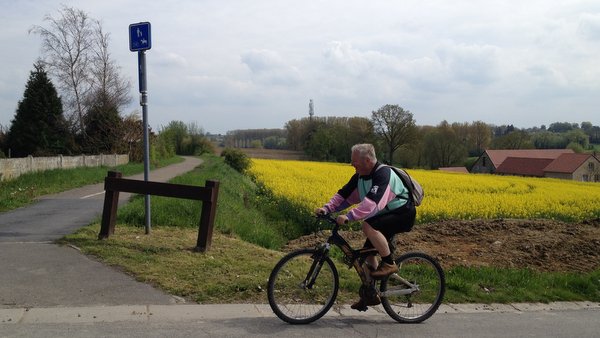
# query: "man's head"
{"type": "Point", "coordinates": [363, 158]}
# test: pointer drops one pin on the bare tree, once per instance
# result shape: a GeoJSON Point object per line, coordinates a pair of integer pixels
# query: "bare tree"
{"type": "Point", "coordinates": [67, 44]}
{"type": "Point", "coordinates": [395, 125]}
{"type": "Point", "coordinates": [105, 80]}
{"type": "Point", "coordinates": [76, 53]}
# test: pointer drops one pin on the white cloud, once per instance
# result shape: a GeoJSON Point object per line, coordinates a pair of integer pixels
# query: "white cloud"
{"type": "Point", "coordinates": [170, 60]}
{"type": "Point", "coordinates": [473, 64]}
{"type": "Point", "coordinates": [347, 60]}
{"type": "Point", "coordinates": [269, 68]}
{"type": "Point", "coordinates": [589, 26]}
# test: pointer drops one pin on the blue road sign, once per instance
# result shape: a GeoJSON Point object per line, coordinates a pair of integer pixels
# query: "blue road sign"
{"type": "Point", "coordinates": [139, 36]}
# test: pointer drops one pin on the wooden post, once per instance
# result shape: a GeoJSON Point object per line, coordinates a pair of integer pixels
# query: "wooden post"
{"type": "Point", "coordinates": [207, 218]}
{"type": "Point", "coordinates": [109, 213]}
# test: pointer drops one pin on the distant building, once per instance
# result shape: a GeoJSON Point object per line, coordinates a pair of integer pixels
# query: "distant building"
{"type": "Point", "coordinates": [524, 166]}
{"type": "Point", "coordinates": [578, 167]}
{"type": "Point", "coordinates": [554, 163]}
{"type": "Point", "coordinates": [490, 160]}
{"type": "Point", "coordinates": [217, 138]}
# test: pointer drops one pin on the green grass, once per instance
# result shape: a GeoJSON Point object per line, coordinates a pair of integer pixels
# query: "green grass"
{"type": "Point", "coordinates": [245, 245]}
{"type": "Point", "coordinates": [494, 285]}
{"type": "Point", "coordinates": [26, 188]}
{"type": "Point", "coordinates": [166, 259]}
{"type": "Point", "coordinates": [237, 213]}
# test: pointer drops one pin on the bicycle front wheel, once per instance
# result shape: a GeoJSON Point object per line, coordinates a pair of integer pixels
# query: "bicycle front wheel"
{"type": "Point", "coordinates": [303, 286]}
{"type": "Point", "coordinates": [415, 292]}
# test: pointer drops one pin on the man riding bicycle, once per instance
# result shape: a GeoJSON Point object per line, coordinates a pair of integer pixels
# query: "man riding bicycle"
{"type": "Point", "coordinates": [383, 205]}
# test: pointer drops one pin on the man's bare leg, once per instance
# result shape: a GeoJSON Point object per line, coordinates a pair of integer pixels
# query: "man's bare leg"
{"type": "Point", "coordinates": [379, 242]}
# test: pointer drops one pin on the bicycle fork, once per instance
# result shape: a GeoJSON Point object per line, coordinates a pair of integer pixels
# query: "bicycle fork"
{"type": "Point", "coordinates": [315, 267]}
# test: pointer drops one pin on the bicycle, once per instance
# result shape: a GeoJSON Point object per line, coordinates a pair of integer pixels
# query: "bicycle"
{"type": "Point", "coordinates": [304, 284]}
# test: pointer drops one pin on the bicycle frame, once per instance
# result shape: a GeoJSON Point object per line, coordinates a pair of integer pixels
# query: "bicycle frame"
{"type": "Point", "coordinates": [411, 288]}
{"type": "Point", "coordinates": [354, 258]}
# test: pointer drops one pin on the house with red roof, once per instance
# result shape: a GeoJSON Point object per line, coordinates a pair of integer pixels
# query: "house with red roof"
{"type": "Point", "coordinates": [578, 167]}
{"type": "Point", "coordinates": [491, 159]}
{"type": "Point", "coordinates": [555, 163]}
{"type": "Point", "coordinates": [523, 166]}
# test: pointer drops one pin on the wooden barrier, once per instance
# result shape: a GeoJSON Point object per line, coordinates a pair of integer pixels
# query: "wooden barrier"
{"type": "Point", "coordinates": [113, 184]}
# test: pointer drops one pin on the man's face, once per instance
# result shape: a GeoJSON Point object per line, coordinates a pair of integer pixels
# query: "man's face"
{"type": "Point", "coordinates": [362, 165]}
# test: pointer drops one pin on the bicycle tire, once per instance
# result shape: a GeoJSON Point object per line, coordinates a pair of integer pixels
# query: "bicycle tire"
{"type": "Point", "coordinates": [289, 299]}
{"type": "Point", "coordinates": [414, 304]}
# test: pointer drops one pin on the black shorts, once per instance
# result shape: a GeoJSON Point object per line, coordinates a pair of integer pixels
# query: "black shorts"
{"type": "Point", "coordinates": [396, 221]}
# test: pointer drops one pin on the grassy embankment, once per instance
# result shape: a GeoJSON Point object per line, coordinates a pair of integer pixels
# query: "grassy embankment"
{"type": "Point", "coordinates": [249, 230]}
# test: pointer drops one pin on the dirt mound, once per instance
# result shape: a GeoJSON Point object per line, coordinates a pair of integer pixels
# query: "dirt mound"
{"type": "Point", "coordinates": [542, 245]}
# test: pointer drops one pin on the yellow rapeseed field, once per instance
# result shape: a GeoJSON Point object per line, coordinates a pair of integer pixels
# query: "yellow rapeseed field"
{"type": "Point", "coordinates": [447, 195]}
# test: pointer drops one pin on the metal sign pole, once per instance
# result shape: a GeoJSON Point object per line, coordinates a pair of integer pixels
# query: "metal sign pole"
{"type": "Point", "coordinates": [144, 104]}
{"type": "Point", "coordinates": [140, 41]}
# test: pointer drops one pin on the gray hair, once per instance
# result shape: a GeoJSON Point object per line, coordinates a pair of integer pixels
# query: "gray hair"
{"type": "Point", "coordinates": [365, 150]}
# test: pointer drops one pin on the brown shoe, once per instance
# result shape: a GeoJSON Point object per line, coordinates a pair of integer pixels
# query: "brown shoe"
{"type": "Point", "coordinates": [362, 304]}
{"type": "Point", "coordinates": [384, 270]}
{"type": "Point", "coordinates": [359, 306]}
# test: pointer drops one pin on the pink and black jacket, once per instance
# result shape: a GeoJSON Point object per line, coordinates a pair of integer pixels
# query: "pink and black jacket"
{"type": "Point", "coordinates": [379, 192]}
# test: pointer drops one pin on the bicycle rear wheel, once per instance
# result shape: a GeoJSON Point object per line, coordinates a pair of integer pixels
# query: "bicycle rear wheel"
{"type": "Point", "coordinates": [415, 292]}
{"type": "Point", "coordinates": [303, 286]}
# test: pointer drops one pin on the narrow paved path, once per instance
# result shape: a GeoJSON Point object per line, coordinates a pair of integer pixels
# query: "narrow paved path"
{"type": "Point", "coordinates": [34, 272]}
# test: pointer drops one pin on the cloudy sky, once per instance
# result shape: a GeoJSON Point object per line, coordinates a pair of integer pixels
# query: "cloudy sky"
{"type": "Point", "coordinates": [239, 64]}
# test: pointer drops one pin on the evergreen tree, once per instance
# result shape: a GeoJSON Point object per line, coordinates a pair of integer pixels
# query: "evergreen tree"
{"type": "Point", "coordinates": [104, 129]}
{"type": "Point", "coordinates": [39, 126]}
{"type": "Point", "coordinates": [2, 141]}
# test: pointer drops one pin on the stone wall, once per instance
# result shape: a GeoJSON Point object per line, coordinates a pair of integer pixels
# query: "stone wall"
{"type": "Point", "coordinates": [11, 168]}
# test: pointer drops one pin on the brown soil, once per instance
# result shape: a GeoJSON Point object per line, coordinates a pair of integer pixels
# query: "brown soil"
{"type": "Point", "coordinates": [542, 245]}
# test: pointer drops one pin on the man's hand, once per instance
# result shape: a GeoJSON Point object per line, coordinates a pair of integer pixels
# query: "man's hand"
{"type": "Point", "coordinates": [320, 211]}
{"type": "Point", "coordinates": [342, 219]}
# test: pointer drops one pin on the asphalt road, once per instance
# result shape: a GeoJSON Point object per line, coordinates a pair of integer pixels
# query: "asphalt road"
{"type": "Point", "coordinates": [246, 320]}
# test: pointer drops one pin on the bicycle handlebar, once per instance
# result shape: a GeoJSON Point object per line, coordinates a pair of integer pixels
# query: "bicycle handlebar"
{"type": "Point", "coordinates": [329, 218]}
{"type": "Point", "coordinates": [326, 217]}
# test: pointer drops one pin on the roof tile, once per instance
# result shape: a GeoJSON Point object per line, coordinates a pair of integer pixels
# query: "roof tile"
{"type": "Point", "coordinates": [567, 163]}
{"type": "Point", "coordinates": [499, 155]}
{"type": "Point", "coordinates": [524, 166]}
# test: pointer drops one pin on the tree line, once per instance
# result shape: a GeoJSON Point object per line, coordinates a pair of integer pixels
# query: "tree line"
{"type": "Point", "coordinates": [398, 139]}
{"type": "Point", "coordinates": [401, 141]}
